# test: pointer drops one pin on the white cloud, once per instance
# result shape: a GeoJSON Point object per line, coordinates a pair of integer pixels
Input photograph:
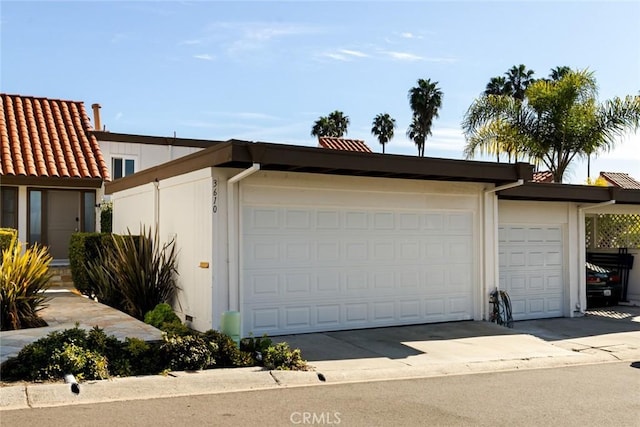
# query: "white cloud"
{"type": "Point", "coordinates": [336, 56]}
{"type": "Point", "coordinates": [443, 138]}
{"type": "Point", "coordinates": [408, 35]}
{"type": "Point", "coordinates": [246, 36]}
{"type": "Point", "coordinates": [627, 148]}
{"type": "Point", "coordinates": [356, 53]}
{"type": "Point", "coordinates": [411, 57]}
{"type": "Point", "coordinates": [191, 42]}
{"type": "Point", "coordinates": [204, 56]}
{"type": "Point", "coordinates": [118, 116]}
{"type": "Point", "coordinates": [403, 56]}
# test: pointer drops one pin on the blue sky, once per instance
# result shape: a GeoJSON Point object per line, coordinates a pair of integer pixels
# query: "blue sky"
{"type": "Point", "coordinates": [265, 71]}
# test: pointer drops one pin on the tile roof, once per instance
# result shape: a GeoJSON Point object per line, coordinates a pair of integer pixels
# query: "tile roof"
{"type": "Point", "coordinates": [44, 137]}
{"type": "Point", "coordinates": [619, 179]}
{"type": "Point", "coordinates": [343, 144]}
{"type": "Point", "coordinates": [544, 176]}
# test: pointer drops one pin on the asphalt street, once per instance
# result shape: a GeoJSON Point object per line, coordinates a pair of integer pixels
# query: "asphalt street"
{"type": "Point", "coordinates": [599, 394]}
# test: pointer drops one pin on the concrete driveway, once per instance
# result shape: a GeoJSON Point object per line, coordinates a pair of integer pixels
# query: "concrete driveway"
{"type": "Point", "coordinates": [463, 347]}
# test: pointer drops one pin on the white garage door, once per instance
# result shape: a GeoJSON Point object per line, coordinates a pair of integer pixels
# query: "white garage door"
{"type": "Point", "coordinates": [316, 269]}
{"type": "Point", "coordinates": [531, 270]}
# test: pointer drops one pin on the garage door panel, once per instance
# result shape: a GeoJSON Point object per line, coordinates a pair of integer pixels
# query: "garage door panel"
{"type": "Point", "coordinates": [353, 268]}
{"type": "Point", "coordinates": [328, 315]}
{"type": "Point", "coordinates": [297, 219]}
{"type": "Point", "coordinates": [531, 265]}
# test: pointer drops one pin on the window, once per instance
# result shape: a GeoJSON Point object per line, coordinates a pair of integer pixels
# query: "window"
{"type": "Point", "coordinates": [9, 211]}
{"type": "Point", "coordinates": [122, 167]}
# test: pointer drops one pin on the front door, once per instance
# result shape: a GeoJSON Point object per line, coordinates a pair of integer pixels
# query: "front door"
{"type": "Point", "coordinates": [63, 219]}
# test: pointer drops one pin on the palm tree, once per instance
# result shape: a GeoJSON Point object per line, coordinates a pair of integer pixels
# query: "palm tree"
{"type": "Point", "coordinates": [519, 79]}
{"type": "Point", "coordinates": [382, 127]}
{"type": "Point", "coordinates": [425, 100]}
{"type": "Point", "coordinates": [559, 72]}
{"type": "Point", "coordinates": [494, 138]}
{"type": "Point", "coordinates": [335, 124]}
{"type": "Point", "coordinates": [556, 122]}
{"type": "Point", "coordinates": [340, 122]}
{"type": "Point", "coordinates": [322, 127]}
{"type": "Point", "coordinates": [498, 86]}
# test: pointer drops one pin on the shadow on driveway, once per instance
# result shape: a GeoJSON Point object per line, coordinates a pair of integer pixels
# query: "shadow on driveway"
{"type": "Point", "coordinates": [462, 341]}
{"type": "Point", "coordinates": [597, 321]}
{"type": "Point", "coordinates": [396, 342]}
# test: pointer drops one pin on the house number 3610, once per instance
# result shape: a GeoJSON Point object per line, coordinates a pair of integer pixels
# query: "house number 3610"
{"type": "Point", "coordinates": [215, 195]}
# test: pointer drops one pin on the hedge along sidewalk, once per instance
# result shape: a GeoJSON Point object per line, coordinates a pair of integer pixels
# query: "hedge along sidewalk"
{"type": "Point", "coordinates": [64, 310]}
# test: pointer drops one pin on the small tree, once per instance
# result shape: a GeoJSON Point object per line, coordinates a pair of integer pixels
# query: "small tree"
{"type": "Point", "coordinates": [335, 125]}
{"type": "Point", "coordinates": [136, 273]}
{"type": "Point", "coordinates": [382, 127]}
{"type": "Point", "coordinates": [425, 100]}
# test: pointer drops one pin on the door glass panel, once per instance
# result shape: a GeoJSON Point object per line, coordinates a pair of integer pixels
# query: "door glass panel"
{"type": "Point", "coordinates": [89, 214]}
{"type": "Point", "coordinates": [35, 216]}
{"type": "Point", "coordinates": [9, 207]}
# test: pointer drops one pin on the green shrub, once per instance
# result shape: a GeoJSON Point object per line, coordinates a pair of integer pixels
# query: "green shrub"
{"type": "Point", "coordinates": [256, 346]}
{"type": "Point", "coordinates": [136, 273]}
{"type": "Point", "coordinates": [188, 353]}
{"type": "Point", "coordinates": [143, 358]}
{"type": "Point", "coordinates": [282, 357]}
{"type": "Point", "coordinates": [161, 313]}
{"type": "Point", "coordinates": [106, 217]}
{"type": "Point", "coordinates": [23, 277]}
{"type": "Point", "coordinates": [228, 354]}
{"type": "Point", "coordinates": [6, 236]}
{"type": "Point", "coordinates": [82, 248]}
{"type": "Point", "coordinates": [73, 359]}
{"type": "Point", "coordinates": [34, 362]}
{"type": "Point", "coordinates": [164, 318]}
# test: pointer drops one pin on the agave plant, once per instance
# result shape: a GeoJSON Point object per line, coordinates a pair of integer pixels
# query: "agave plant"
{"type": "Point", "coordinates": [136, 273]}
{"type": "Point", "coordinates": [24, 275]}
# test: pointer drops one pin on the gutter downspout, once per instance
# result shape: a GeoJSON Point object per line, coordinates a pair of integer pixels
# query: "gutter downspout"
{"type": "Point", "coordinates": [582, 257]}
{"type": "Point", "coordinates": [156, 203]}
{"type": "Point", "coordinates": [490, 238]}
{"type": "Point", "coordinates": [494, 227]}
{"type": "Point", "coordinates": [232, 236]}
{"type": "Point", "coordinates": [518, 183]}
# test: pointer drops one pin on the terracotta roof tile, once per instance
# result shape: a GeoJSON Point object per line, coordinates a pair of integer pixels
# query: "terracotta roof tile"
{"type": "Point", "coordinates": [44, 137]}
{"type": "Point", "coordinates": [343, 144]}
{"type": "Point", "coordinates": [544, 176]}
{"type": "Point", "coordinates": [619, 179]}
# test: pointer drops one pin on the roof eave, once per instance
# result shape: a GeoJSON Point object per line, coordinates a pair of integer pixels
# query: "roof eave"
{"type": "Point", "coordinates": [551, 192]}
{"type": "Point", "coordinates": [299, 159]}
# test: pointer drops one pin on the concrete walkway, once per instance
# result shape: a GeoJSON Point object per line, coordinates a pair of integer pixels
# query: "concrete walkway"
{"type": "Point", "coordinates": [348, 356]}
{"type": "Point", "coordinates": [65, 309]}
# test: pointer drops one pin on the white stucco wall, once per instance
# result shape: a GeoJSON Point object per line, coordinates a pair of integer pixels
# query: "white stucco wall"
{"type": "Point", "coordinates": [133, 208]}
{"type": "Point", "coordinates": [555, 213]}
{"type": "Point", "coordinates": [145, 155]}
{"type": "Point", "coordinates": [185, 215]}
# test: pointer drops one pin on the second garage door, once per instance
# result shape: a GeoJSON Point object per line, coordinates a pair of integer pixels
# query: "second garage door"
{"type": "Point", "coordinates": [531, 269]}
{"type": "Point", "coordinates": [327, 268]}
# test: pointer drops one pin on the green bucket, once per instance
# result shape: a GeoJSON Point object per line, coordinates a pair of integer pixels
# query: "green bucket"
{"type": "Point", "coordinates": [230, 325]}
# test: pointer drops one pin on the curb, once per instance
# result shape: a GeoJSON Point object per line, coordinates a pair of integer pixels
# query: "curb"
{"type": "Point", "coordinates": [214, 381]}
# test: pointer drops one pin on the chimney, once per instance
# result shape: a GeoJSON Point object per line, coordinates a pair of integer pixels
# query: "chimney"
{"type": "Point", "coordinates": [96, 117]}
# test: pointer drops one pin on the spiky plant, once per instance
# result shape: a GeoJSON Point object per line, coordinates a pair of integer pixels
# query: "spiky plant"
{"type": "Point", "coordinates": [24, 275]}
{"type": "Point", "coordinates": [136, 274]}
